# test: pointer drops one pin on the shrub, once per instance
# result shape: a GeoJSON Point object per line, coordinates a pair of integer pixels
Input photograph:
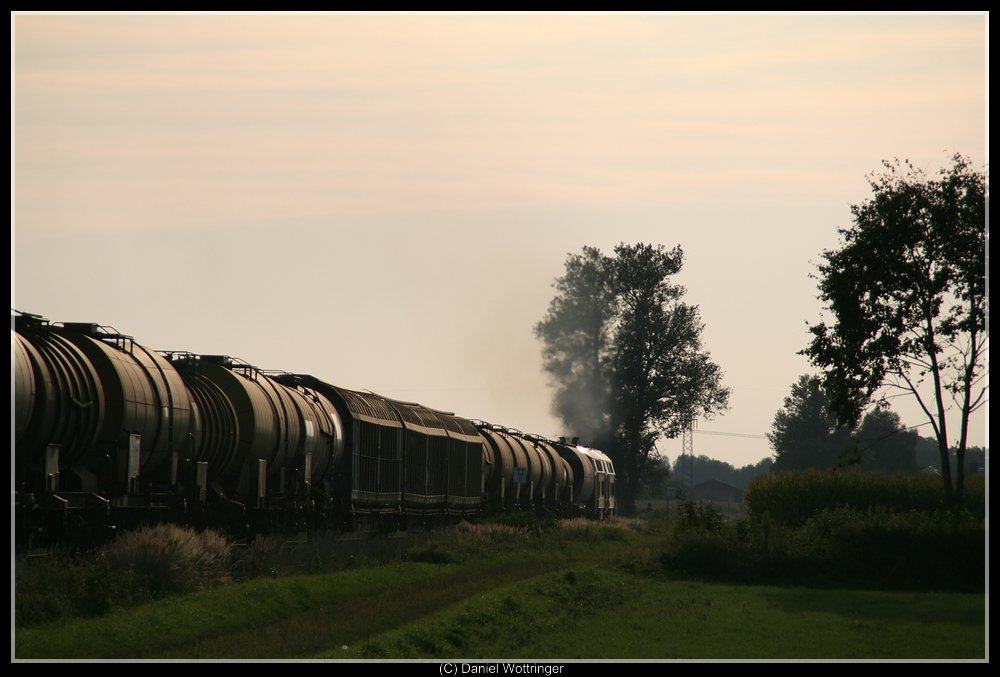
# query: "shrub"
{"type": "Point", "coordinates": [845, 545]}
{"type": "Point", "coordinates": [134, 568]}
{"type": "Point", "coordinates": [700, 517]}
{"type": "Point", "coordinates": [898, 549]}
{"type": "Point", "coordinates": [166, 559]}
{"type": "Point", "coordinates": [702, 545]}
{"type": "Point", "coordinates": [58, 583]}
{"type": "Point", "coordinates": [703, 554]}
{"type": "Point", "coordinates": [433, 554]}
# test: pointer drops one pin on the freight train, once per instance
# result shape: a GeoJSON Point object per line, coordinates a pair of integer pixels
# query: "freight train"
{"type": "Point", "coordinates": [110, 434]}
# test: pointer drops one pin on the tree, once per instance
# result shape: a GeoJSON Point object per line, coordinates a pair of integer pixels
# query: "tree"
{"type": "Point", "coordinates": [743, 475]}
{"type": "Point", "coordinates": [884, 444]}
{"type": "Point", "coordinates": [625, 355]}
{"type": "Point", "coordinates": [655, 478]}
{"type": "Point", "coordinates": [907, 292]}
{"type": "Point", "coordinates": [926, 453]}
{"type": "Point", "coordinates": [704, 468]}
{"type": "Point", "coordinates": [805, 432]}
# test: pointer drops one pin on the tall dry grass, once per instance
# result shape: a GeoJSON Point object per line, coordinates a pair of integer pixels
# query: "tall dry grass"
{"type": "Point", "coordinates": [166, 559]}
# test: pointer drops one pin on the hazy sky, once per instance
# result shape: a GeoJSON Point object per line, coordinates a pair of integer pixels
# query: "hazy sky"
{"type": "Point", "coordinates": [384, 201]}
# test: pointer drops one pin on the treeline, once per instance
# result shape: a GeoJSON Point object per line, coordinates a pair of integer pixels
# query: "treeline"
{"type": "Point", "coordinates": [806, 434]}
{"type": "Point", "coordinates": [926, 456]}
{"type": "Point", "coordinates": [702, 469]}
{"type": "Point", "coordinates": [663, 474]}
{"type": "Point", "coordinates": [916, 455]}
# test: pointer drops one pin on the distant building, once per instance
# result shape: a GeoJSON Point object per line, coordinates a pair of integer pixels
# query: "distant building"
{"type": "Point", "coordinates": [714, 490]}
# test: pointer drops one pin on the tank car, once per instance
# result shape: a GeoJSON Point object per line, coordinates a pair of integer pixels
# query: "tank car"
{"type": "Point", "coordinates": [101, 422]}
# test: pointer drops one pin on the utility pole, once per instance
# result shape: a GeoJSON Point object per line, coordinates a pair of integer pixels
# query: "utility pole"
{"type": "Point", "coordinates": [687, 442]}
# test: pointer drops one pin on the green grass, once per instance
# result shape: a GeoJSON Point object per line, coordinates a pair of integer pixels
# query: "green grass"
{"type": "Point", "coordinates": [510, 609]}
{"type": "Point", "coordinates": [271, 618]}
{"type": "Point", "coordinates": [576, 589]}
{"type": "Point", "coordinates": [592, 613]}
{"type": "Point", "coordinates": [295, 616]}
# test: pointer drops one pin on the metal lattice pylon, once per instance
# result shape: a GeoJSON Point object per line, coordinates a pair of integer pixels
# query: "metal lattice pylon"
{"type": "Point", "coordinates": [687, 441]}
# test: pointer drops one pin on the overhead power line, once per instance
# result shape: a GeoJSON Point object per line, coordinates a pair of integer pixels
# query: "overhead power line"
{"type": "Point", "coordinates": [728, 434]}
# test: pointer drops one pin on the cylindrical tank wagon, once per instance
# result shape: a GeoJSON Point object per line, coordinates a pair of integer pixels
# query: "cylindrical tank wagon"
{"type": "Point", "coordinates": [107, 431]}
{"type": "Point", "coordinates": [101, 406]}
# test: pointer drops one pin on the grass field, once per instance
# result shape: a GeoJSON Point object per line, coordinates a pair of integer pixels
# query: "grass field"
{"type": "Point", "coordinates": [594, 613]}
{"type": "Point", "coordinates": [577, 591]}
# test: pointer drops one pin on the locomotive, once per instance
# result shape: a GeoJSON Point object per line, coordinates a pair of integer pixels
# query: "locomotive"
{"type": "Point", "coordinates": [108, 433]}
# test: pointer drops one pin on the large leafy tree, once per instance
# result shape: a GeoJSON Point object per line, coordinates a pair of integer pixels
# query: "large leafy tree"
{"type": "Point", "coordinates": [907, 293]}
{"type": "Point", "coordinates": [625, 355]}
{"type": "Point", "coordinates": [885, 444]}
{"type": "Point", "coordinates": [805, 432]}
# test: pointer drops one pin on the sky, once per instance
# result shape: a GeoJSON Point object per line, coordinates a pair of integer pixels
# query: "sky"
{"type": "Point", "coordinates": [384, 201]}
